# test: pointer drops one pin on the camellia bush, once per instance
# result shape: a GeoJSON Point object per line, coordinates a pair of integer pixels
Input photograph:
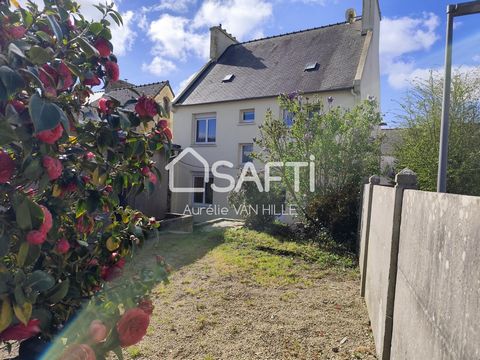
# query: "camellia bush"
{"type": "Point", "coordinates": [66, 172]}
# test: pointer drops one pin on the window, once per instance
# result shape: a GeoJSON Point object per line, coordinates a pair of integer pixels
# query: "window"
{"type": "Point", "coordinates": [287, 118]}
{"type": "Point", "coordinates": [311, 66]}
{"type": "Point", "coordinates": [245, 153]}
{"type": "Point", "coordinates": [203, 198]}
{"type": "Point", "coordinates": [228, 78]}
{"type": "Point", "coordinates": [247, 116]}
{"type": "Point", "coordinates": [205, 129]}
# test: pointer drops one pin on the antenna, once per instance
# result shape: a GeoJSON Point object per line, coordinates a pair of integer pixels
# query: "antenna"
{"type": "Point", "coordinates": [350, 15]}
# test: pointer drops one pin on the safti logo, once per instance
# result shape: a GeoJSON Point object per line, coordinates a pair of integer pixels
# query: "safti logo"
{"type": "Point", "coordinates": [248, 173]}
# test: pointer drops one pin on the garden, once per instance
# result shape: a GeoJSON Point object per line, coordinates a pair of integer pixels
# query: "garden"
{"type": "Point", "coordinates": [85, 276]}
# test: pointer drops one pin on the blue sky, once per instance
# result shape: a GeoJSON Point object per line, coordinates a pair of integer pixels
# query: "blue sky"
{"type": "Point", "coordinates": [168, 39]}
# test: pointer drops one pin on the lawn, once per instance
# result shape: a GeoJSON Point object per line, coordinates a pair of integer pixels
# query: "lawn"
{"type": "Point", "coordinates": [240, 294]}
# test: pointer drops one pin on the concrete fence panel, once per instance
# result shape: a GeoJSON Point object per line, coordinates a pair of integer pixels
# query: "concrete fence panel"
{"type": "Point", "coordinates": [437, 297]}
{"type": "Point", "coordinates": [378, 263]}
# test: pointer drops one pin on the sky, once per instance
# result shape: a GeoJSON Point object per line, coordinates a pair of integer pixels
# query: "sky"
{"type": "Point", "coordinates": [169, 39]}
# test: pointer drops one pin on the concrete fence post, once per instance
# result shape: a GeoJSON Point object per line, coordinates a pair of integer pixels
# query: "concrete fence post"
{"type": "Point", "coordinates": [374, 180]}
{"type": "Point", "coordinates": [405, 179]}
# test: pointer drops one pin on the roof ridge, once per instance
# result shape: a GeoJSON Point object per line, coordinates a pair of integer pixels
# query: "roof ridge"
{"type": "Point", "coordinates": [296, 32]}
{"type": "Point", "coordinates": [136, 86]}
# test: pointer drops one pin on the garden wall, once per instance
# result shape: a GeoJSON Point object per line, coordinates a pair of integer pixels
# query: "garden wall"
{"type": "Point", "coordinates": [420, 265]}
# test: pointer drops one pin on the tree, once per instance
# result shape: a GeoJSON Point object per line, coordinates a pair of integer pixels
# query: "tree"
{"type": "Point", "coordinates": [419, 147]}
{"type": "Point", "coordinates": [65, 233]}
{"type": "Point", "coordinates": [341, 142]}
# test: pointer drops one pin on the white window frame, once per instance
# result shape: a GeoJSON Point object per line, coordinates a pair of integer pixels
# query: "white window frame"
{"type": "Point", "coordinates": [207, 118]}
{"type": "Point", "coordinates": [242, 113]}
{"type": "Point", "coordinates": [204, 194]}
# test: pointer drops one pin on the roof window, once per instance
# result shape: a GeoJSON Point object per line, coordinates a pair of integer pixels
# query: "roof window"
{"type": "Point", "coordinates": [228, 78]}
{"type": "Point", "coordinates": [312, 66]}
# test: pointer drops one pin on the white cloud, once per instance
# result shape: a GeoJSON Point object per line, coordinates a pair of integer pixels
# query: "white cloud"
{"type": "Point", "coordinates": [123, 36]}
{"type": "Point", "coordinates": [399, 39]}
{"type": "Point", "coordinates": [179, 6]}
{"type": "Point", "coordinates": [173, 38]}
{"type": "Point", "coordinates": [476, 58]}
{"type": "Point", "coordinates": [404, 35]}
{"type": "Point", "coordinates": [238, 17]}
{"type": "Point", "coordinates": [159, 66]}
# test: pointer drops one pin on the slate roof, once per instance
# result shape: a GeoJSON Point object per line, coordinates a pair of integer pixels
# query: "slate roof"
{"type": "Point", "coordinates": [274, 65]}
{"type": "Point", "coordinates": [125, 94]}
{"type": "Point", "coordinates": [391, 139]}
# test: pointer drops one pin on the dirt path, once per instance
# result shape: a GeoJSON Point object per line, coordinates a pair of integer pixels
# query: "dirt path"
{"type": "Point", "coordinates": [233, 301]}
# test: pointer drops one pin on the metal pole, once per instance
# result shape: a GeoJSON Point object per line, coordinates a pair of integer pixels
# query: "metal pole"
{"type": "Point", "coordinates": [443, 152]}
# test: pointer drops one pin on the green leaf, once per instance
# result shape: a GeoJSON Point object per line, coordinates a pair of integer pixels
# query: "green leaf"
{"type": "Point", "coordinates": [11, 80]}
{"type": "Point", "coordinates": [23, 312]}
{"type": "Point", "coordinates": [89, 49]}
{"type": "Point", "coordinates": [7, 134]}
{"type": "Point", "coordinates": [6, 314]}
{"type": "Point", "coordinates": [23, 253]}
{"type": "Point", "coordinates": [93, 201]}
{"type": "Point", "coordinates": [124, 121]}
{"type": "Point", "coordinates": [39, 55]}
{"type": "Point", "coordinates": [14, 49]}
{"type": "Point", "coordinates": [33, 170]}
{"type": "Point", "coordinates": [39, 281]}
{"type": "Point", "coordinates": [44, 36]}
{"type": "Point", "coordinates": [118, 352]}
{"type": "Point", "coordinates": [96, 28]}
{"type": "Point", "coordinates": [57, 30]}
{"type": "Point", "coordinates": [4, 245]}
{"type": "Point", "coordinates": [28, 214]}
{"type": "Point", "coordinates": [58, 292]}
{"type": "Point", "coordinates": [46, 115]}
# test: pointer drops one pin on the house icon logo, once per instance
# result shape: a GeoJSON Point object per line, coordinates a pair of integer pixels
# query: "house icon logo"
{"type": "Point", "coordinates": [171, 174]}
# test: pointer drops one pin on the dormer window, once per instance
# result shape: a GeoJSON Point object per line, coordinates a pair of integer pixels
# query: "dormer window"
{"type": "Point", "coordinates": [312, 66]}
{"type": "Point", "coordinates": [228, 78]}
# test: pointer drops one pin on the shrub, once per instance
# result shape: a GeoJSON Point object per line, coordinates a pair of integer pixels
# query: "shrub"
{"type": "Point", "coordinates": [65, 166]}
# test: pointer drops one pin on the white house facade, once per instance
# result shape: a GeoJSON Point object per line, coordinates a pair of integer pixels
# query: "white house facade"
{"type": "Point", "coordinates": [219, 112]}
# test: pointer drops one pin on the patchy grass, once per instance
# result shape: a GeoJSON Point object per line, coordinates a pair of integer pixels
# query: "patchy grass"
{"type": "Point", "coordinates": [242, 294]}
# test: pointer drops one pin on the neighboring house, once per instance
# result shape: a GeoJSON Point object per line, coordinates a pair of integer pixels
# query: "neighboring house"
{"type": "Point", "coordinates": [122, 91]}
{"type": "Point", "coordinates": [157, 203]}
{"type": "Point", "coordinates": [391, 138]}
{"type": "Point", "coordinates": [219, 111]}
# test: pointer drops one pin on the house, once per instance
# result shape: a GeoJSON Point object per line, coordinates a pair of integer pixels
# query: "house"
{"type": "Point", "coordinates": [220, 110]}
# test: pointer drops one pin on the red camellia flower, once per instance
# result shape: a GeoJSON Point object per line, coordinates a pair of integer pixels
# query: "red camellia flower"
{"type": "Point", "coordinates": [18, 106]}
{"type": "Point", "coordinates": [65, 75]}
{"type": "Point", "coordinates": [93, 81]}
{"type": "Point", "coordinates": [113, 72]}
{"type": "Point", "coordinates": [145, 171]}
{"type": "Point", "coordinates": [63, 246]}
{"type": "Point", "coordinates": [47, 220]}
{"type": "Point", "coordinates": [48, 76]}
{"type": "Point", "coordinates": [103, 47]}
{"type": "Point", "coordinates": [53, 166]}
{"type": "Point", "coordinates": [147, 306]}
{"type": "Point", "coordinates": [16, 32]}
{"type": "Point", "coordinates": [98, 331]}
{"type": "Point", "coordinates": [36, 237]}
{"type": "Point", "coordinates": [168, 133]}
{"type": "Point", "coordinates": [20, 331]}
{"type": "Point", "coordinates": [51, 135]}
{"type": "Point", "coordinates": [78, 352]}
{"type": "Point", "coordinates": [146, 107]}
{"type": "Point", "coordinates": [152, 177]}
{"type": "Point", "coordinates": [132, 326]}
{"type": "Point", "coordinates": [162, 123]}
{"type": "Point", "coordinates": [90, 155]}
{"type": "Point", "coordinates": [7, 166]}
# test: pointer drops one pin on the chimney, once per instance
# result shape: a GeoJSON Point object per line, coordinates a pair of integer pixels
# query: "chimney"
{"type": "Point", "coordinates": [220, 40]}
{"type": "Point", "coordinates": [370, 16]}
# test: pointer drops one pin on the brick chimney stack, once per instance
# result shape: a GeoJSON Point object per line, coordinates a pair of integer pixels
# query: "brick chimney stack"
{"type": "Point", "coordinates": [220, 40]}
